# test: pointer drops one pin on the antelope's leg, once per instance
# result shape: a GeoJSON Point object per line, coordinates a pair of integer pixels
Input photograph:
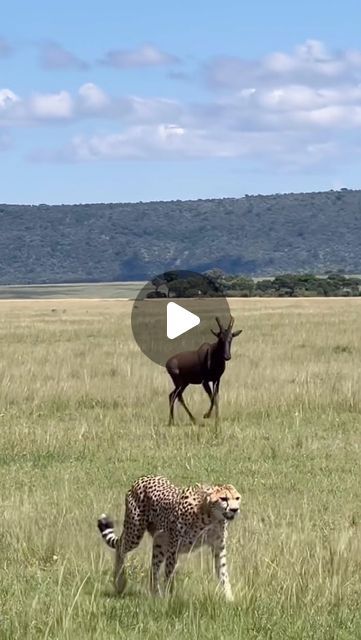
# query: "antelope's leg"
{"type": "Point", "coordinates": [181, 400]}
{"type": "Point", "coordinates": [172, 398]}
{"type": "Point", "coordinates": [215, 397]}
{"type": "Point", "coordinates": [171, 406]}
{"type": "Point", "coordinates": [208, 390]}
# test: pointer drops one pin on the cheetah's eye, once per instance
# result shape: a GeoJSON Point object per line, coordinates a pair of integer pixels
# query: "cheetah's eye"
{"type": "Point", "coordinates": [224, 499]}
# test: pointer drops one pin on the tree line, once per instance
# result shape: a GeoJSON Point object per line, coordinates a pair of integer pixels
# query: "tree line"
{"type": "Point", "coordinates": [216, 282]}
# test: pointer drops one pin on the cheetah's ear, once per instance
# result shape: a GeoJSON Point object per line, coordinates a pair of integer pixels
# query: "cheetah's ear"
{"type": "Point", "coordinates": [212, 494]}
{"type": "Point", "coordinates": [207, 489]}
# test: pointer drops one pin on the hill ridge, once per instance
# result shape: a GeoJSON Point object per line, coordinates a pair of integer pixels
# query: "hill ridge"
{"type": "Point", "coordinates": [256, 235]}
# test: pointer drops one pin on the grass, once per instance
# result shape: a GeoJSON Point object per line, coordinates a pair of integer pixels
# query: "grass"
{"type": "Point", "coordinates": [83, 413]}
{"type": "Point", "coordinates": [96, 290]}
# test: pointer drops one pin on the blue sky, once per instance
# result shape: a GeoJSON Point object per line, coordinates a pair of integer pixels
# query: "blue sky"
{"type": "Point", "coordinates": [118, 101]}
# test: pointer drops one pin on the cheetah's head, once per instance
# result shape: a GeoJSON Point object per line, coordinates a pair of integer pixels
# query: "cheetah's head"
{"type": "Point", "coordinates": [223, 502]}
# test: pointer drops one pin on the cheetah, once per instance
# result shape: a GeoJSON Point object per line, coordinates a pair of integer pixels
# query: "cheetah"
{"type": "Point", "coordinates": [179, 520]}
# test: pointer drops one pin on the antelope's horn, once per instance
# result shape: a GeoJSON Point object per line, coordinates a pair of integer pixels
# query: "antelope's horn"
{"type": "Point", "coordinates": [219, 323]}
{"type": "Point", "coordinates": [231, 323]}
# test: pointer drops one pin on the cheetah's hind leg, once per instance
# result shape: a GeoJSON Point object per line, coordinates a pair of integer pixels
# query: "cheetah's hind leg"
{"type": "Point", "coordinates": [128, 541]}
{"type": "Point", "coordinates": [160, 543]}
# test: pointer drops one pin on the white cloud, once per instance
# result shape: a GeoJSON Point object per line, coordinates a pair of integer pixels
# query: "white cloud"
{"type": "Point", "coordinates": [331, 116]}
{"type": "Point", "coordinates": [146, 55]}
{"type": "Point", "coordinates": [152, 109]}
{"type": "Point", "coordinates": [174, 142]}
{"type": "Point", "coordinates": [52, 106]}
{"type": "Point", "coordinates": [309, 63]}
{"type": "Point", "coordinates": [7, 99]}
{"type": "Point", "coordinates": [134, 143]}
{"type": "Point", "coordinates": [54, 56]}
{"type": "Point", "coordinates": [90, 101]}
{"type": "Point", "coordinates": [293, 109]}
{"type": "Point", "coordinates": [92, 98]}
{"type": "Point", "coordinates": [10, 107]}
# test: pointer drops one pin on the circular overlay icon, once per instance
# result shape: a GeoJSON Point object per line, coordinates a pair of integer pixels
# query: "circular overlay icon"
{"type": "Point", "coordinates": [175, 311]}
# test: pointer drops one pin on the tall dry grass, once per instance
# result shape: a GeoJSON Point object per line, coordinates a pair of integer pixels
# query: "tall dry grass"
{"type": "Point", "coordinates": [82, 413]}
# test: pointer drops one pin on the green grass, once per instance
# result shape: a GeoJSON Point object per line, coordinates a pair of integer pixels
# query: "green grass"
{"type": "Point", "coordinates": [83, 413]}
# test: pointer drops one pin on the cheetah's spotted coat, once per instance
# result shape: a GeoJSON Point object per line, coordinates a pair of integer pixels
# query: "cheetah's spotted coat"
{"type": "Point", "coordinates": [179, 520]}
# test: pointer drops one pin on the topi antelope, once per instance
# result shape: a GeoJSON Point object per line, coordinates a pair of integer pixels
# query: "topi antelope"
{"type": "Point", "coordinates": [203, 366]}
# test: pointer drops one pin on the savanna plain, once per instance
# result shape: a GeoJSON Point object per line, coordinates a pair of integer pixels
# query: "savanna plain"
{"type": "Point", "coordinates": [83, 413]}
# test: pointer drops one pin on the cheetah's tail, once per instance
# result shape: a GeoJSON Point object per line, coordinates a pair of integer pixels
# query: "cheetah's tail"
{"type": "Point", "coordinates": [106, 528]}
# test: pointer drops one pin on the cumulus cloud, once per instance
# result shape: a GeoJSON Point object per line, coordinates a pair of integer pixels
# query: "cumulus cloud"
{"type": "Point", "coordinates": [7, 99]}
{"type": "Point", "coordinates": [173, 142]}
{"type": "Point", "coordinates": [137, 142]}
{"type": "Point", "coordinates": [10, 107]}
{"type": "Point", "coordinates": [51, 106]}
{"type": "Point", "coordinates": [54, 56]}
{"type": "Point", "coordinates": [288, 108]}
{"type": "Point", "coordinates": [90, 101]}
{"type": "Point", "coordinates": [93, 99]}
{"type": "Point", "coordinates": [153, 110]}
{"type": "Point", "coordinates": [295, 109]}
{"type": "Point", "coordinates": [134, 143]}
{"type": "Point", "coordinates": [16, 111]}
{"type": "Point", "coordinates": [309, 63]}
{"type": "Point", "coordinates": [146, 55]}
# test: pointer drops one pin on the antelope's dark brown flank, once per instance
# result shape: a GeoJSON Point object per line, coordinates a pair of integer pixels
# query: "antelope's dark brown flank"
{"type": "Point", "coordinates": [204, 366]}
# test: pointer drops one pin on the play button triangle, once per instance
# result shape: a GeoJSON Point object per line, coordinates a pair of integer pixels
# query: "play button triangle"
{"type": "Point", "coordinates": [179, 320]}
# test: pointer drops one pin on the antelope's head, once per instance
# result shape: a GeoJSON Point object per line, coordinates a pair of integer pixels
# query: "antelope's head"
{"type": "Point", "coordinates": [225, 337]}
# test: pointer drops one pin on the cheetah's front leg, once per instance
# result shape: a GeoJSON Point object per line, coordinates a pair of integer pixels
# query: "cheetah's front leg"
{"type": "Point", "coordinates": [220, 561]}
{"type": "Point", "coordinates": [170, 566]}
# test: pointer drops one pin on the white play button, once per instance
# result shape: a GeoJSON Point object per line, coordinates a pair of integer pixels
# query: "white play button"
{"type": "Point", "coordinates": [175, 312]}
{"type": "Point", "coordinates": [179, 320]}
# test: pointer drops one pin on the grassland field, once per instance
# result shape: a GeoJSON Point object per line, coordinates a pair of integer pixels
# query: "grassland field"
{"type": "Point", "coordinates": [83, 413]}
{"type": "Point", "coordinates": [95, 290]}
{"type": "Point", "coordinates": [89, 290]}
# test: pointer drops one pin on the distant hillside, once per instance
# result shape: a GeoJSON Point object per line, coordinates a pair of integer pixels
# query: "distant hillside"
{"type": "Point", "coordinates": [254, 235]}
